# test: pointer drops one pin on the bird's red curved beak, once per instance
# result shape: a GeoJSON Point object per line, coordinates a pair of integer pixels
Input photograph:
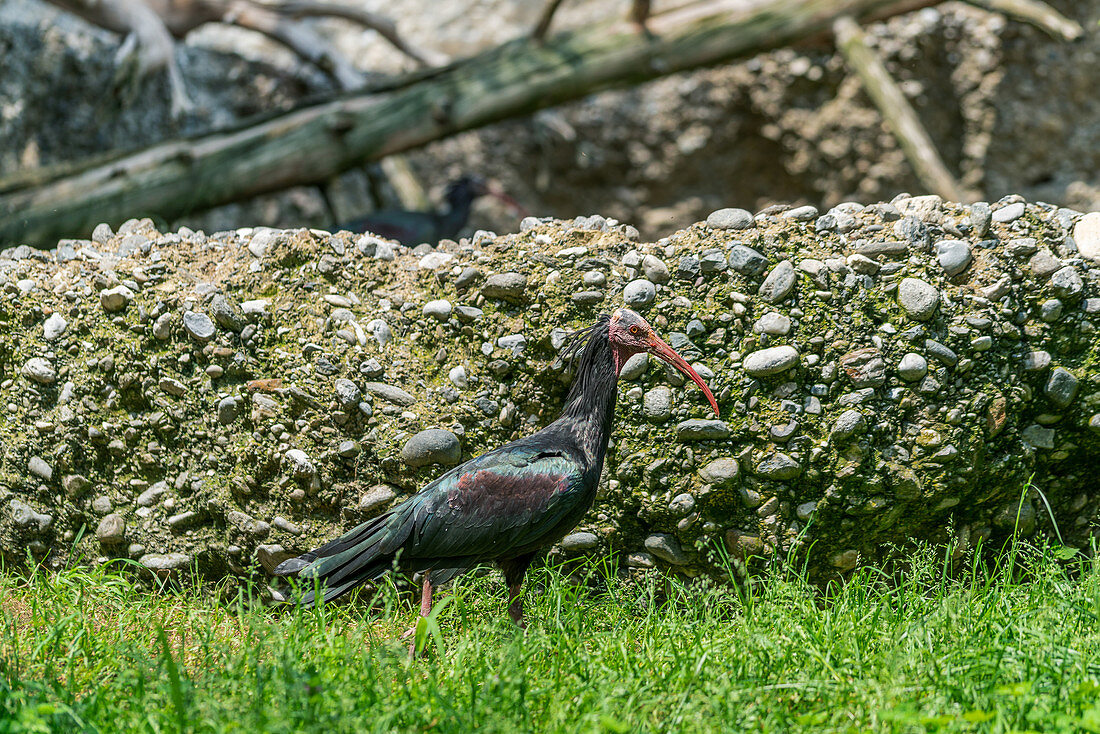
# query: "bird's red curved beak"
{"type": "Point", "coordinates": [658, 347]}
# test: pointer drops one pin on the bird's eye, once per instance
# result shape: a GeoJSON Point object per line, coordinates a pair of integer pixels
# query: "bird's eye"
{"type": "Point", "coordinates": [634, 330]}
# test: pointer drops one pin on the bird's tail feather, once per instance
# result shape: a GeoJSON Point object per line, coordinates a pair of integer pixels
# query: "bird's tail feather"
{"type": "Point", "coordinates": [362, 554]}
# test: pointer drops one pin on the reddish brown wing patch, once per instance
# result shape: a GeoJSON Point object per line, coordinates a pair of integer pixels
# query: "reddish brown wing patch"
{"type": "Point", "coordinates": [491, 494]}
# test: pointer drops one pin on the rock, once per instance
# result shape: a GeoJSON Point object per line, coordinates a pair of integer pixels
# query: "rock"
{"type": "Point", "coordinates": [115, 299]}
{"type": "Point", "coordinates": [166, 562]}
{"type": "Point", "coordinates": [844, 560]}
{"type": "Point", "coordinates": [432, 446]}
{"type": "Point", "coordinates": [700, 429]}
{"type": "Point", "coordinates": [912, 367]}
{"type": "Point", "coordinates": [744, 545]}
{"type": "Point", "coordinates": [771, 361]}
{"type": "Point", "coordinates": [75, 484]}
{"type": "Point", "coordinates": [506, 287]}
{"type": "Point", "coordinates": [1086, 233]}
{"type": "Point", "coordinates": [457, 376]}
{"type": "Point", "coordinates": [430, 261]}
{"type": "Point", "coordinates": [981, 216]}
{"type": "Point", "coordinates": [467, 278]}
{"type": "Point", "coordinates": [54, 327]}
{"type": "Point", "coordinates": [918, 298]}
{"type": "Point", "coordinates": [657, 404]}
{"type": "Point", "coordinates": [348, 394]}
{"type": "Point", "coordinates": [1036, 361]}
{"type": "Point", "coordinates": [40, 468]}
{"type": "Point", "coordinates": [439, 310]}
{"type": "Point", "coordinates": [39, 370]}
{"type": "Point", "coordinates": [229, 409]}
{"type": "Point", "coordinates": [639, 293]}
{"type": "Point", "coordinates": [655, 269]}
{"type": "Point", "coordinates": [1066, 283]}
{"type": "Point", "coordinates": [227, 313]}
{"type": "Point", "coordinates": [579, 542]}
{"type": "Point", "coordinates": [1050, 310]}
{"type": "Point", "coordinates": [172, 386]}
{"type": "Point", "coordinates": [864, 367]}
{"type": "Point", "coordinates": [635, 366]}
{"type": "Point", "coordinates": [25, 516]}
{"type": "Point", "coordinates": [667, 548]}
{"type": "Point", "coordinates": [953, 256]}
{"type": "Point", "coordinates": [376, 497]}
{"type": "Point", "coordinates": [1043, 264]}
{"type": "Point", "coordinates": [941, 352]}
{"type": "Point", "coordinates": [149, 497]}
{"type": "Point", "coordinates": [300, 466]}
{"type": "Point", "coordinates": [730, 219]}
{"type": "Point", "coordinates": [1009, 213]}
{"type": "Point", "coordinates": [587, 298]}
{"type": "Point", "coordinates": [111, 529]}
{"type": "Point", "coordinates": [747, 261]}
{"type": "Point", "coordinates": [271, 555]}
{"type": "Point", "coordinates": [779, 284]}
{"type": "Point", "coordinates": [801, 213]}
{"type": "Point", "coordinates": [162, 327]}
{"type": "Point", "coordinates": [389, 393]}
{"type": "Point", "coordinates": [380, 330]}
{"type": "Point", "coordinates": [1061, 387]}
{"type": "Point", "coordinates": [198, 326]}
{"type": "Point", "coordinates": [721, 472]}
{"type": "Point", "coordinates": [850, 424]}
{"type": "Point", "coordinates": [1038, 437]}
{"type": "Point", "coordinates": [772, 323]}
{"type": "Point", "coordinates": [779, 467]}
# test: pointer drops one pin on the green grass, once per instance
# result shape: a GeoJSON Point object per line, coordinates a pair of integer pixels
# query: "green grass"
{"type": "Point", "coordinates": [1010, 647]}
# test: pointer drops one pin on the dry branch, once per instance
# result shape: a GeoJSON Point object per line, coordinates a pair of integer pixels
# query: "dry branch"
{"type": "Point", "coordinates": [899, 115]}
{"type": "Point", "coordinates": [312, 144]}
{"type": "Point", "coordinates": [1035, 13]}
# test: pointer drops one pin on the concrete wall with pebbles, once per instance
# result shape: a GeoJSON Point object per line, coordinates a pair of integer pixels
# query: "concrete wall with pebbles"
{"type": "Point", "coordinates": [887, 373]}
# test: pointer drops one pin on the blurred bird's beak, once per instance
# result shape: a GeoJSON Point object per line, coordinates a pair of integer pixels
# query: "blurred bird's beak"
{"type": "Point", "coordinates": [658, 347]}
{"type": "Point", "coordinates": [494, 190]}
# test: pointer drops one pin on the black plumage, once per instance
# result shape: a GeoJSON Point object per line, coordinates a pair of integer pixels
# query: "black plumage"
{"type": "Point", "coordinates": [411, 228]}
{"type": "Point", "coordinates": [507, 504]}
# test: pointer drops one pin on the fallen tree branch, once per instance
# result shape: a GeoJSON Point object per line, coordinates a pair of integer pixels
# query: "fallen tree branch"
{"type": "Point", "coordinates": [1036, 13]}
{"type": "Point", "coordinates": [895, 109]}
{"type": "Point", "coordinates": [312, 144]}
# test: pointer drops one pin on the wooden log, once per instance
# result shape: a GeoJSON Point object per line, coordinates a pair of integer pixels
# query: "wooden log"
{"type": "Point", "coordinates": [312, 144]}
{"type": "Point", "coordinates": [899, 115]}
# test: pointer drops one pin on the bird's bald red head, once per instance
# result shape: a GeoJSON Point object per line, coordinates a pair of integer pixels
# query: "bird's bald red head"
{"type": "Point", "coordinates": [630, 334]}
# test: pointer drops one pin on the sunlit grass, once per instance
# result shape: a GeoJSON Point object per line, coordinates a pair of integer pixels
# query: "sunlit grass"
{"type": "Point", "coordinates": [1009, 646]}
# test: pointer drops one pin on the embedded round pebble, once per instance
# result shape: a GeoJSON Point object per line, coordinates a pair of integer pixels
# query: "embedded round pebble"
{"type": "Point", "coordinates": [115, 299]}
{"type": "Point", "coordinates": [771, 361]}
{"type": "Point", "coordinates": [953, 255]}
{"type": "Point", "coordinates": [439, 310]}
{"type": "Point", "coordinates": [730, 219]}
{"type": "Point", "coordinates": [918, 298]}
{"type": "Point", "coordinates": [432, 446]}
{"type": "Point", "coordinates": [198, 326]}
{"type": "Point", "coordinates": [639, 293]}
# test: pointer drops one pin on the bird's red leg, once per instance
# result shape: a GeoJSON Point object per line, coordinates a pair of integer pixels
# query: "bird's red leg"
{"type": "Point", "coordinates": [425, 608]}
{"type": "Point", "coordinates": [515, 605]}
{"type": "Point", "coordinates": [514, 569]}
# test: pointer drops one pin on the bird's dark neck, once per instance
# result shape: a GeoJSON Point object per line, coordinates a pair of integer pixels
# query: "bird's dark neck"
{"type": "Point", "coordinates": [590, 406]}
{"type": "Point", "coordinates": [451, 221]}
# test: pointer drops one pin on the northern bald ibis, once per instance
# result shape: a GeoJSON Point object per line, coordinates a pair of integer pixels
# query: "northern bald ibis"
{"type": "Point", "coordinates": [508, 503]}
{"type": "Point", "coordinates": [411, 228]}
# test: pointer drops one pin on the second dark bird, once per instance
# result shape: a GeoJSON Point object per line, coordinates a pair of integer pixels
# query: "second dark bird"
{"type": "Point", "coordinates": [411, 228]}
{"type": "Point", "coordinates": [509, 503]}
